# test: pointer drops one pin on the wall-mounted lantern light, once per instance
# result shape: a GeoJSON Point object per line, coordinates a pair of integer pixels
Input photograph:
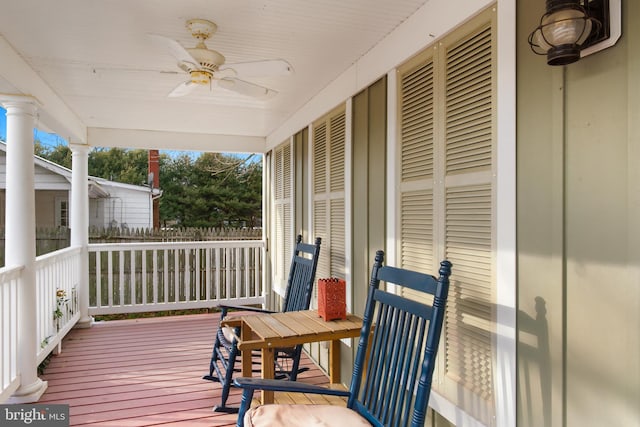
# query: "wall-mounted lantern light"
{"type": "Point", "coordinates": [571, 29]}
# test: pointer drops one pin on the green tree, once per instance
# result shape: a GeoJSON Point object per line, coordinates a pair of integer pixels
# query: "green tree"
{"type": "Point", "coordinates": [118, 164]}
{"type": "Point", "coordinates": [59, 154]}
{"type": "Point", "coordinates": [39, 149]}
{"type": "Point", "coordinates": [212, 190]}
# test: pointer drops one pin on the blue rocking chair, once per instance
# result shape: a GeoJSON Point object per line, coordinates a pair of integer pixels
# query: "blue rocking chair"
{"type": "Point", "coordinates": [391, 380]}
{"type": "Point", "coordinates": [297, 297]}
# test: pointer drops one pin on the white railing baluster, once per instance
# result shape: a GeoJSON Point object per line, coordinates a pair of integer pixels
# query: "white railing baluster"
{"type": "Point", "coordinates": [176, 275]}
{"type": "Point", "coordinates": [257, 272]}
{"type": "Point", "coordinates": [143, 276]}
{"type": "Point", "coordinates": [110, 277]}
{"type": "Point", "coordinates": [187, 274]}
{"type": "Point", "coordinates": [132, 278]}
{"type": "Point", "coordinates": [207, 273]}
{"type": "Point", "coordinates": [196, 275]}
{"type": "Point", "coordinates": [121, 300]}
{"type": "Point", "coordinates": [155, 276]}
{"type": "Point", "coordinates": [166, 275]}
{"type": "Point", "coordinates": [238, 272]}
{"type": "Point", "coordinates": [229, 264]}
{"type": "Point", "coordinates": [218, 285]}
{"type": "Point", "coordinates": [247, 273]}
{"type": "Point", "coordinates": [98, 279]}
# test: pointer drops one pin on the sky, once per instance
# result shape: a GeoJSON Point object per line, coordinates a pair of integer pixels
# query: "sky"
{"type": "Point", "coordinates": [53, 140]}
{"type": "Point", "coordinates": [47, 139]}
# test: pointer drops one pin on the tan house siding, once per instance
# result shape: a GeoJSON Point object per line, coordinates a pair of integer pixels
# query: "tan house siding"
{"type": "Point", "coordinates": [46, 207]}
{"type": "Point", "coordinates": [578, 233]}
{"type": "Point", "coordinates": [369, 192]}
{"type": "Point", "coordinates": [369, 185]}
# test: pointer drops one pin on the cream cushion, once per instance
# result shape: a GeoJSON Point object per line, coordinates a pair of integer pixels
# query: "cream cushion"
{"type": "Point", "coordinates": [303, 416]}
{"type": "Point", "coordinates": [228, 334]}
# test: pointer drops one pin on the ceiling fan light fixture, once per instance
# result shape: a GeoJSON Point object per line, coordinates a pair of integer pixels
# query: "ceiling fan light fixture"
{"type": "Point", "coordinates": [200, 77]}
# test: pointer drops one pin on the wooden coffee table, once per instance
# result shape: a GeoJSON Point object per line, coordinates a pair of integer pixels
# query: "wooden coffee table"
{"type": "Point", "coordinates": [268, 332]}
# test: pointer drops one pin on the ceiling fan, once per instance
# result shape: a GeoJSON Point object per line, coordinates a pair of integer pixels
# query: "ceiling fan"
{"type": "Point", "coordinates": [206, 66]}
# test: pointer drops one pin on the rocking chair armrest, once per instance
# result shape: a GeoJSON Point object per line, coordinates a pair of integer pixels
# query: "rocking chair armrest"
{"type": "Point", "coordinates": [225, 309]}
{"type": "Point", "coordinates": [286, 386]}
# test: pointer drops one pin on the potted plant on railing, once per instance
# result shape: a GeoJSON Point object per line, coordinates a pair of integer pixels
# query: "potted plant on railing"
{"type": "Point", "coordinates": [61, 300]}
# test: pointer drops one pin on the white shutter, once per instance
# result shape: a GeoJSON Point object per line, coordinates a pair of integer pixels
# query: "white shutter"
{"type": "Point", "coordinates": [417, 166]}
{"type": "Point", "coordinates": [447, 203]}
{"type": "Point", "coordinates": [320, 207]}
{"type": "Point", "coordinates": [417, 119]}
{"type": "Point", "coordinates": [329, 136]}
{"type": "Point", "coordinates": [336, 197]}
{"type": "Point", "coordinates": [469, 75]}
{"type": "Point", "coordinates": [283, 215]}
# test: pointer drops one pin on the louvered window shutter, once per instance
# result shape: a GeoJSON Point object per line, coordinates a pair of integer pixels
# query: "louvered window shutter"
{"type": "Point", "coordinates": [320, 206]}
{"type": "Point", "coordinates": [336, 196]}
{"type": "Point", "coordinates": [447, 203]}
{"type": "Point", "coordinates": [329, 136]}
{"type": "Point", "coordinates": [469, 230]}
{"type": "Point", "coordinates": [417, 168]}
{"type": "Point", "coordinates": [283, 202]}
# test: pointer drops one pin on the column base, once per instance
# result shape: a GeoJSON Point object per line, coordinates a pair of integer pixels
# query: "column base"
{"type": "Point", "coordinates": [30, 393]}
{"type": "Point", "coordinates": [85, 323]}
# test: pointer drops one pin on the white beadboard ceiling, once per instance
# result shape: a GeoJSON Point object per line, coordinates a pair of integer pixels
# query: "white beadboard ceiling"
{"type": "Point", "coordinates": [96, 56]}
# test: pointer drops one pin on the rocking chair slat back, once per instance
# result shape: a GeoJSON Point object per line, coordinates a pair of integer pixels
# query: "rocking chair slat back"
{"type": "Point", "coordinates": [403, 346]}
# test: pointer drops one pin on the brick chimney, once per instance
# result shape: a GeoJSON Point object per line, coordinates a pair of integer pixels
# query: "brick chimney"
{"type": "Point", "coordinates": [154, 171]}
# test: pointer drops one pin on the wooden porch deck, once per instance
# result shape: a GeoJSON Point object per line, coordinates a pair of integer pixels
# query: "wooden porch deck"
{"type": "Point", "coordinates": [147, 372]}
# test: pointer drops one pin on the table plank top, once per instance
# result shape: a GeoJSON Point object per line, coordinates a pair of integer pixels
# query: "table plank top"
{"type": "Point", "coordinates": [295, 327]}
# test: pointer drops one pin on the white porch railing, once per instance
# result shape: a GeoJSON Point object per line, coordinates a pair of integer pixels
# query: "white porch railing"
{"type": "Point", "coordinates": [138, 277]}
{"type": "Point", "coordinates": [57, 279]}
{"type": "Point", "coordinates": [10, 279]}
{"type": "Point", "coordinates": [125, 278]}
{"type": "Point", "coordinates": [56, 313]}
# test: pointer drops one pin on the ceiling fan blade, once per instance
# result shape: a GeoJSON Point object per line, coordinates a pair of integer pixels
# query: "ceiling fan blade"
{"type": "Point", "coordinates": [246, 88]}
{"type": "Point", "coordinates": [225, 73]}
{"type": "Point", "coordinates": [184, 88]}
{"type": "Point", "coordinates": [269, 68]}
{"type": "Point", "coordinates": [177, 51]}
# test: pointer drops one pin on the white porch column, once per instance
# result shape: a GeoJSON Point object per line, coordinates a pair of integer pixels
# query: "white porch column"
{"type": "Point", "coordinates": [20, 240]}
{"type": "Point", "coordinates": [79, 222]}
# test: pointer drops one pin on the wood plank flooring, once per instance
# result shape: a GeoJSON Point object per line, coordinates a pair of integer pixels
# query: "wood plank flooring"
{"type": "Point", "coordinates": [148, 372]}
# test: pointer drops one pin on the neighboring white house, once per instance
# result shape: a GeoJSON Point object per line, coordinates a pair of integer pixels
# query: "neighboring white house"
{"type": "Point", "coordinates": [111, 204]}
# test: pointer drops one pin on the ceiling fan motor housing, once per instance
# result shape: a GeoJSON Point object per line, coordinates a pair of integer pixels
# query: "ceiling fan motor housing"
{"type": "Point", "coordinates": [208, 59]}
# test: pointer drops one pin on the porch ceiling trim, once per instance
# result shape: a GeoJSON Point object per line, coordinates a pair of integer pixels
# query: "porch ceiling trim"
{"type": "Point", "coordinates": [53, 114]}
{"type": "Point", "coordinates": [162, 140]}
